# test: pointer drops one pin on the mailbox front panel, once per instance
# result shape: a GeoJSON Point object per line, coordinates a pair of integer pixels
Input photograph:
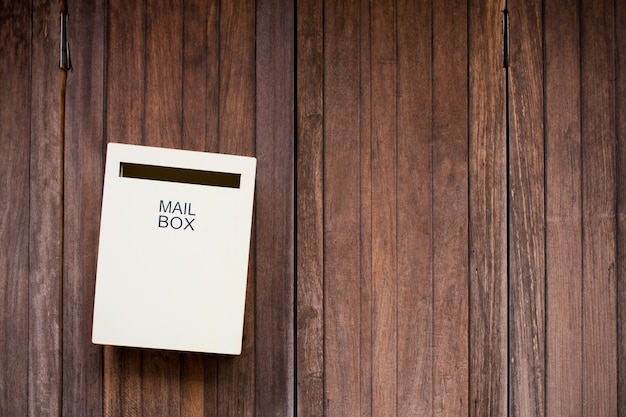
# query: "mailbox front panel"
{"type": "Point", "coordinates": [174, 247]}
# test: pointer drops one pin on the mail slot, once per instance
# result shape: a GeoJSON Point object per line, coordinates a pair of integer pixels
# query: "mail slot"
{"type": "Point", "coordinates": [173, 250]}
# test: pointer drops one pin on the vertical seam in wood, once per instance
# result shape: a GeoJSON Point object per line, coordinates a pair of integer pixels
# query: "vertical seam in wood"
{"type": "Point", "coordinates": [545, 211]}
{"type": "Point", "coordinates": [61, 222]}
{"type": "Point", "coordinates": [582, 204]}
{"type": "Point", "coordinates": [396, 99]}
{"type": "Point", "coordinates": [469, 212]}
{"type": "Point", "coordinates": [507, 97]}
{"type": "Point", "coordinates": [294, 236]}
{"type": "Point", "coordinates": [61, 237]}
{"type": "Point", "coordinates": [618, 180]}
{"type": "Point", "coordinates": [371, 293]}
{"type": "Point", "coordinates": [432, 210]}
{"type": "Point", "coordinates": [28, 245]}
{"type": "Point", "coordinates": [323, 206]}
{"type": "Point", "coordinates": [616, 206]}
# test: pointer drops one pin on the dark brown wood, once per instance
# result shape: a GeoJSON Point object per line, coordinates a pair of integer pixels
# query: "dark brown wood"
{"type": "Point", "coordinates": [620, 119]}
{"type": "Point", "coordinates": [275, 208]}
{"type": "Point", "coordinates": [83, 171]}
{"type": "Point", "coordinates": [366, 219]}
{"type": "Point", "coordinates": [163, 74]}
{"type": "Point", "coordinates": [450, 211]}
{"type": "Point", "coordinates": [563, 391]}
{"type": "Point", "coordinates": [599, 200]}
{"type": "Point", "coordinates": [526, 211]}
{"type": "Point", "coordinates": [488, 237]}
{"type": "Point", "coordinates": [341, 209]}
{"type": "Point", "coordinates": [309, 211]}
{"type": "Point", "coordinates": [15, 137]}
{"type": "Point", "coordinates": [415, 205]}
{"type": "Point", "coordinates": [384, 210]}
{"type": "Point", "coordinates": [46, 215]}
{"type": "Point", "coordinates": [125, 62]}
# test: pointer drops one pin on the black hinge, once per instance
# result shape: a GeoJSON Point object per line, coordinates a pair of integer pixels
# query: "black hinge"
{"type": "Point", "coordinates": [64, 51]}
{"type": "Point", "coordinates": [505, 38]}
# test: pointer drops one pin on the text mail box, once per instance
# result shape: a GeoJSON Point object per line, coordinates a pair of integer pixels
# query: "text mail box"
{"type": "Point", "coordinates": [174, 247]}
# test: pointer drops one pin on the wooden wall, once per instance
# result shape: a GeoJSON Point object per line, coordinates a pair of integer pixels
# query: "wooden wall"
{"type": "Point", "coordinates": [439, 219]}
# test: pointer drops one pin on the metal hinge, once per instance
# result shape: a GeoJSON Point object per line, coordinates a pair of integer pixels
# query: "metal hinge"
{"type": "Point", "coordinates": [64, 48]}
{"type": "Point", "coordinates": [505, 38]}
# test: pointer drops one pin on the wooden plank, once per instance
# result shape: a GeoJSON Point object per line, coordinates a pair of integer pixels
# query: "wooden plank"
{"type": "Point", "coordinates": [599, 228]}
{"type": "Point", "coordinates": [341, 209]}
{"type": "Point", "coordinates": [125, 62]}
{"type": "Point", "coordinates": [365, 182]}
{"type": "Point", "coordinates": [415, 205]}
{"type": "Point", "coordinates": [384, 210]}
{"type": "Point", "coordinates": [15, 119]}
{"type": "Point", "coordinates": [450, 211]}
{"type": "Point", "coordinates": [163, 74]}
{"type": "Point", "coordinates": [414, 195]}
{"type": "Point", "coordinates": [236, 376]}
{"type": "Point", "coordinates": [563, 210]}
{"type": "Point", "coordinates": [275, 207]}
{"type": "Point", "coordinates": [620, 119]}
{"type": "Point", "coordinates": [46, 215]}
{"type": "Point", "coordinates": [309, 210]}
{"type": "Point", "coordinates": [526, 211]}
{"type": "Point", "coordinates": [200, 67]}
{"type": "Point", "coordinates": [488, 237]}
{"type": "Point", "coordinates": [125, 83]}
{"type": "Point", "coordinates": [83, 171]}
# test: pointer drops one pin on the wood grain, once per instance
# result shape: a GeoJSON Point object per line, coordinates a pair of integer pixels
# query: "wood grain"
{"type": "Point", "coordinates": [46, 215]}
{"type": "Point", "coordinates": [384, 210]}
{"type": "Point", "coordinates": [83, 175]}
{"type": "Point", "coordinates": [599, 198]}
{"type": "Point", "coordinates": [563, 199]}
{"type": "Point", "coordinates": [450, 211]}
{"type": "Point", "coordinates": [341, 209]}
{"type": "Point", "coordinates": [15, 132]}
{"type": "Point", "coordinates": [275, 207]}
{"type": "Point", "coordinates": [366, 219]}
{"type": "Point", "coordinates": [415, 205]}
{"type": "Point", "coordinates": [125, 67]}
{"type": "Point", "coordinates": [526, 211]}
{"type": "Point", "coordinates": [620, 122]}
{"type": "Point", "coordinates": [488, 227]}
{"type": "Point", "coordinates": [309, 211]}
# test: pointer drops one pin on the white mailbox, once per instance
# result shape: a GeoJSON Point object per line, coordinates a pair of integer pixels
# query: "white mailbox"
{"type": "Point", "coordinates": [174, 247]}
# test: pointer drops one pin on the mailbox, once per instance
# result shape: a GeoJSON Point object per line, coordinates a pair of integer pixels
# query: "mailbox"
{"type": "Point", "coordinates": [173, 250]}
